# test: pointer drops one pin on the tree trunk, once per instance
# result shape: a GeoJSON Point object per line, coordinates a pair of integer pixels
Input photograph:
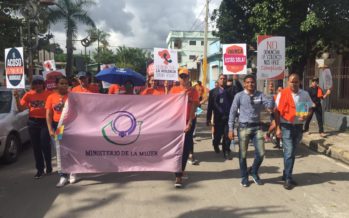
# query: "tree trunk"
{"type": "Point", "coordinates": [69, 66]}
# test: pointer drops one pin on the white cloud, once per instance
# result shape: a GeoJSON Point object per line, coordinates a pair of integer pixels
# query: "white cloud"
{"type": "Point", "coordinates": [140, 23]}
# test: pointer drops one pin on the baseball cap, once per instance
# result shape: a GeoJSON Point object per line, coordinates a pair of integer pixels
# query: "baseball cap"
{"type": "Point", "coordinates": [81, 74]}
{"type": "Point", "coordinates": [315, 79]}
{"type": "Point", "coordinates": [183, 70]}
{"type": "Point", "coordinates": [37, 78]}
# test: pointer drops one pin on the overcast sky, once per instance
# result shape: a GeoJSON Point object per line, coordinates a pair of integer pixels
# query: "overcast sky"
{"type": "Point", "coordinates": [140, 23]}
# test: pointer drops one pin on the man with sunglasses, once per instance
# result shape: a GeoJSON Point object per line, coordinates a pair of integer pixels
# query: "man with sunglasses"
{"type": "Point", "coordinates": [250, 104]}
{"type": "Point", "coordinates": [218, 104]}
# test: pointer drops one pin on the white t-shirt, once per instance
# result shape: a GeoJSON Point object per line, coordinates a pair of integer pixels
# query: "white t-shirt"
{"type": "Point", "coordinates": [302, 101]}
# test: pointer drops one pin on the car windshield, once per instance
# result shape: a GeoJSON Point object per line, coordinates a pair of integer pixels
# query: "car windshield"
{"type": "Point", "coordinates": [5, 101]}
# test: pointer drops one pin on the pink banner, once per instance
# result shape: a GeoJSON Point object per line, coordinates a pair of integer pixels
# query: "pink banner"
{"type": "Point", "coordinates": [121, 133]}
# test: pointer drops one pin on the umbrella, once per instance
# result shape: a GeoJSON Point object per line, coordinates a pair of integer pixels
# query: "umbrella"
{"type": "Point", "coordinates": [121, 76]}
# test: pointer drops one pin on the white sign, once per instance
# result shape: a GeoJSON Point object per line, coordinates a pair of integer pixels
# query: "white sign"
{"type": "Point", "coordinates": [14, 67]}
{"type": "Point", "coordinates": [270, 57]}
{"type": "Point", "coordinates": [166, 64]}
{"type": "Point", "coordinates": [234, 59]}
{"type": "Point", "coordinates": [49, 65]}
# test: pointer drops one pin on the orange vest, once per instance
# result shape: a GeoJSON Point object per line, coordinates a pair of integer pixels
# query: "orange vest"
{"type": "Point", "coordinates": [319, 93]}
{"type": "Point", "coordinates": [287, 107]}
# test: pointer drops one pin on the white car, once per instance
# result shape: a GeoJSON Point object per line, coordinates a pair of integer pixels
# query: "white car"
{"type": "Point", "coordinates": [13, 126]}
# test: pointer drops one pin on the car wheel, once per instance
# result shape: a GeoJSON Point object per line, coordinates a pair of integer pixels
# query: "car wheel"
{"type": "Point", "coordinates": [11, 149]}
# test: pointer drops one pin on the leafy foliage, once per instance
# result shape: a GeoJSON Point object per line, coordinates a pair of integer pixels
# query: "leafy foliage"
{"type": "Point", "coordinates": [71, 12]}
{"type": "Point", "coordinates": [310, 26]}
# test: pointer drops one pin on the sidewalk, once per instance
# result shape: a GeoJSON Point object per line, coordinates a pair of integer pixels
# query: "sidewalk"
{"type": "Point", "coordinates": [334, 145]}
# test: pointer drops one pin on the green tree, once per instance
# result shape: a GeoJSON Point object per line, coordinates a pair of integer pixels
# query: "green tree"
{"type": "Point", "coordinates": [9, 25]}
{"type": "Point", "coordinates": [70, 12]}
{"type": "Point", "coordinates": [104, 56]}
{"type": "Point", "coordinates": [134, 58]}
{"type": "Point", "coordinates": [99, 36]}
{"type": "Point", "coordinates": [309, 26]}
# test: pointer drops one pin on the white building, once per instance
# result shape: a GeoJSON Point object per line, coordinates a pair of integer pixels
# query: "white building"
{"type": "Point", "coordinates": [190, 46]}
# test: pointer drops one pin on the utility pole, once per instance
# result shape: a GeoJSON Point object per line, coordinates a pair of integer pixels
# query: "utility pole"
{"type": "Point", "coordinates": [204, 62]}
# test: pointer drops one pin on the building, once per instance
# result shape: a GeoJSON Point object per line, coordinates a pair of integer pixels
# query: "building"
{"type": "Point", "coordinates": [190, 46]}
{"type": "Point", "coordinates": [214, 62]}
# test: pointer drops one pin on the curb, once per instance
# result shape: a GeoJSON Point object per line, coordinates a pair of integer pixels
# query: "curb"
{"type": "Point", "coordinates": [329, 150]}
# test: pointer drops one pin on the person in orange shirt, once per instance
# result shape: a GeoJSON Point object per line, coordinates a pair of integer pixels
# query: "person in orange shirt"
{"type": "Point", "coordinates": [193, 102]}
{"type": "Point", "coordinates": [54, 106]}
{"type": "Point", "coordinates": [293, 106]}
{"type": "Point", "coordinates": [84, 85]}
{"type": "Point", "coordinates": [114, 89]}
{"type": "Point", "coordinates": [152, 90]}
{"type": "Point", "coordinates": [93, 85]}
{"type": "Point", "coordinates": [39, 136]}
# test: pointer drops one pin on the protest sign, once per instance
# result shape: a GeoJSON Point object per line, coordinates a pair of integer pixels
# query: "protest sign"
{"type": "Point", "coordinates": [270, 57]}
{"type": "Point", "coordinates": [234, 59]}
{"type": "Point", "coordinates": [166, 64]}
{"type": "Point", "coordinates": [125, 133]}
{"type": "Point", "coordinates": [14, 67]}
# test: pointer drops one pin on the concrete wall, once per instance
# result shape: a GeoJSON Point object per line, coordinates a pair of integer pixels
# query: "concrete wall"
{"type": "Point", "coordinates": [336, 121]}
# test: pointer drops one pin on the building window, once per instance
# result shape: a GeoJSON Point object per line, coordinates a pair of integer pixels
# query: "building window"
{"type": "Point", "coordinates": [177, 44]}
{"type": "Point", "coordinates": [192, 42]}
{"type": "Point", "coordinates": [192, 57]}
{"type": "Point", "coordinates": [202, 43]}
{"type": "Point", "coordinates": [179, 57]}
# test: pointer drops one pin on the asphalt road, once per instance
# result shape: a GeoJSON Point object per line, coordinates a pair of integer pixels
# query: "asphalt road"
{"type": "Point", "coordinates": [212, 190]}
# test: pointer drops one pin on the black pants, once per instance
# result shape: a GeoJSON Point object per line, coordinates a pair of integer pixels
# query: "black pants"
{"type": "Point", "coordinates": [191, 135]}
{"type": "Point", "coordinates": [186, 150]}
{"type": "Point", "coordinates": [318, 113]}
{"type": "Point", "coordinates": [221, 129]}
{"type": "Point", "coordinates": [40, 140]}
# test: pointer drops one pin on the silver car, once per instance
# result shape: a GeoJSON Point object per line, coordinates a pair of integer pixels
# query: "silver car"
{"type": "Point", "coordinates": [13, 126]}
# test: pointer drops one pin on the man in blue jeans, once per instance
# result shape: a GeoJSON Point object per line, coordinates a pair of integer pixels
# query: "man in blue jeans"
{"type": "Point", "coordinates": [293, 107]}
{"type": "Point", "coordinates": [249, 103]}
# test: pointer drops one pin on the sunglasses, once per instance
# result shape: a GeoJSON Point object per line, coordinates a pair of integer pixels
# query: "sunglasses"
{"type": "Point", "coordinates": [183, 76]}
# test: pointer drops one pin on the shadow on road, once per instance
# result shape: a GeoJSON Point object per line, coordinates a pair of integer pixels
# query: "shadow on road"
{"type": "Point", "coordinates": [223, 212]}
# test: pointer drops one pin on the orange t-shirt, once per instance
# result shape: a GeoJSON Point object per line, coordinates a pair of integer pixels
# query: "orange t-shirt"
{"type": "Point", "coordinates": [55, 102]}
{"type": "Point", "coordinates": [114, 89]}
{"type": "Point", "coordinates": [36, 103]}
{"type": "Point", "coordinates": [79, 88]}
{"type": "Point", "coordinates": [193, 97]}
{"type": "Point", "coordinates": [200, 90]}
{"type": "Point", "coordinates": [151, 91]}
{"type": "Point", "coordinates": [94, 88]}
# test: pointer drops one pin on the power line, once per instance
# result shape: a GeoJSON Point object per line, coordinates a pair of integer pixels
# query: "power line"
{"type": "Point", "coordinates": [197, 18]}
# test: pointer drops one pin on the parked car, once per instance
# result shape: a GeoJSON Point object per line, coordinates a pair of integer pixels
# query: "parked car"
{"type": "Point", "coordinates": [13, 126]}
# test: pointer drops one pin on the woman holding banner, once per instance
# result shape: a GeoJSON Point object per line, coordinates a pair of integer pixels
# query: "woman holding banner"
{"type": "Point", "coordinates": [54, 106]}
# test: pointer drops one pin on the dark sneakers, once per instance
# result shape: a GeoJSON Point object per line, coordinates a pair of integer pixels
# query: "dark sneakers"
{"type": "Point", "coordinates": [216, 149]}
{"type": "Point", "coordinates": [289, 183]}
{"type": "Point", "coordinates": [38, 175]}
{"type": "Point", "coordinates": [245, 183]}
{"type": "Point", "coordinates": [255, 177]}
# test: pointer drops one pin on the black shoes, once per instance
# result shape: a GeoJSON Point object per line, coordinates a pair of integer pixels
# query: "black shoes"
{"type": "Point", "coordinates": [38, 175]}
{"type": "Point", "coordinates": [49, 171]}
{"type": "Point", "coordinates": [227, 155]}
{"type": "Point", "coordinates": [289, 183]}
{"type": "Point", "coordinates": [216, 149]}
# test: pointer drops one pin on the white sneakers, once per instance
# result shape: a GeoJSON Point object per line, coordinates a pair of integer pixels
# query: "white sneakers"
{"type": "Point", "coordinates": [62, 182]}
{"type": "Point", "coordinates": [73, 178]}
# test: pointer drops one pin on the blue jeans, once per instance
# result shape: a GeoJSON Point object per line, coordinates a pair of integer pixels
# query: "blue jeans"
{"type": "Point", "coordinates": [291, 137]}
{"type": "Point", "coordinates": [245, 135]}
